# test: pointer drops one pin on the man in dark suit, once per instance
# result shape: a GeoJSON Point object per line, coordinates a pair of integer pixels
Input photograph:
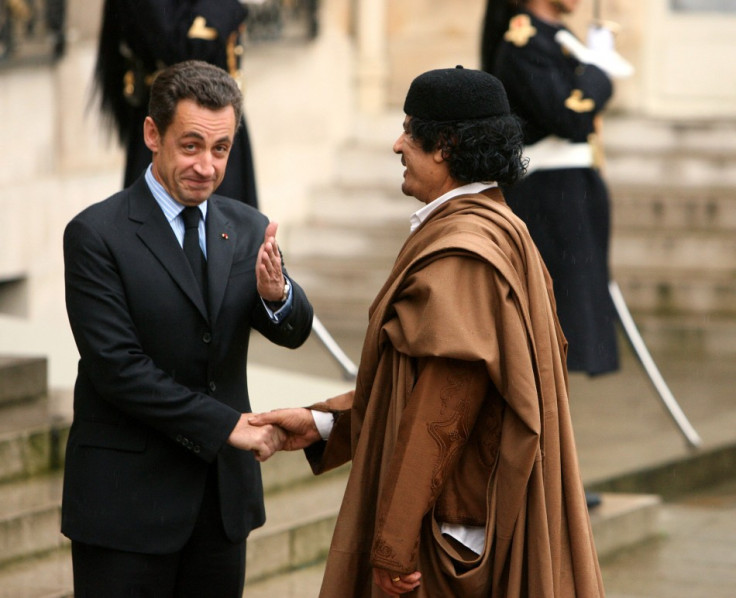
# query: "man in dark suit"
{"type": "Point", "coordinates": [162, 484]}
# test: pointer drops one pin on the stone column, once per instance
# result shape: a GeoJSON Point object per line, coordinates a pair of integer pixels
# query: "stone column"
{"type": "Point", "coordinates": [372, 68]}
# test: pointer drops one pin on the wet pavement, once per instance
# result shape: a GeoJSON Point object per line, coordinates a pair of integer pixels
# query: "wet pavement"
{"type": "Point", "coordinates": [695, 557]}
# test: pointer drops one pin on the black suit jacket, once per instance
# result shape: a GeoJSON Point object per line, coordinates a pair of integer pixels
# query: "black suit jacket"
{"type": "Point", "coordinates": [161, 381]}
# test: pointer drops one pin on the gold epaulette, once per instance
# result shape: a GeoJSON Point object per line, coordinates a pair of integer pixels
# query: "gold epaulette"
{"type": "Point", "coordinates": [199, 30]}
{"type": "Point", "coordinates": [520, 30]}
{"type": "Point", "coordinates": [577, 103]}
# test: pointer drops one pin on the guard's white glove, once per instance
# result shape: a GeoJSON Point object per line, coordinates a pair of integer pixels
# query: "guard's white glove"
{"type": "Point", "coordinates": [599, 52]}
{"type": "Point", "coordinates": [600, 39]}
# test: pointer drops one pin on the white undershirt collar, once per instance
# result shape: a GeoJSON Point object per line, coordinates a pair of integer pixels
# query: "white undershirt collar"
{"type": "Point", "coordinates": [423, 213]}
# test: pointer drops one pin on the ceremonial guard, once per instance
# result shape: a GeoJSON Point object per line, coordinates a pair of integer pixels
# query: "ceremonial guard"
{"type": "Point", "coordinates": [138, 39]}
{"type": "Point", "coordinates": [558, 87]}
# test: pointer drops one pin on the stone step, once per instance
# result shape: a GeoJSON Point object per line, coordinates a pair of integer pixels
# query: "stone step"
{"type": "Point", "coordinates": [664, 249]}
{"type": "Point", "coordinates": [645, 151]}
{"type": "Point", "coordinates": [22, 378]}
{"type": "Point", "coordinates": [285, 470]}
{"type": "Point", "coordinates": [370, 164]}
{"type": "Point", "coordinates": [300, 583]}
{"type": "Point", "coordinates": [624, 520]}
{"type": "Point", "coordinates": [639, 135]}
{"type": "Point", "coordinates": [333, 283]}
{"type": "Point", "coordinates": [644, 207]}
{"type": "Point", "coordinates": [691, 168]}
{"type": "Point", "coordinates": [353, 205]}
{"type": "Point", "coordinates": [670, 478]}
{"type": "Point", "coordinates": [30, 517]}
{"type": "Point", "coordinates": [706, 334]}
{"type": "Point", "coordinates": [300, 521]}
{"type": "Point", "coordinates": [34, 555]}
{"type": "Point", "coordinates": [332, 241]}
{"type": "Point", "coordinates": [32, 439]}
{"type": "Point", "coordinates": [679, 292]}
{"type": "Point", "coordinates": [46, 576]}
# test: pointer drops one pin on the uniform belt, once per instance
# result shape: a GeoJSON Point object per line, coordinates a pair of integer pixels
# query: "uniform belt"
{"type": "Point", "coordinates": [552, 152]}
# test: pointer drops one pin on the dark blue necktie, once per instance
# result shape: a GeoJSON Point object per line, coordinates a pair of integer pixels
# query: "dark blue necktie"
{"type": "Point", "coordinates": [194, 254]}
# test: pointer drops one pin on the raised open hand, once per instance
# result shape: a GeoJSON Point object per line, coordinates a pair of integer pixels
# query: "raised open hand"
{"type": "Point", "coordinates": [269, 275]}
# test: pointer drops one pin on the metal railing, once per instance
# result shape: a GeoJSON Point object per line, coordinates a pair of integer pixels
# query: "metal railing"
{"type": "Point", "coordinates": [348, 368]}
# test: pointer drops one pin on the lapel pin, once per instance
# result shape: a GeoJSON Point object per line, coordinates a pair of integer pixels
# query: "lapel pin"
{"type": "Point", "coordinates": [225, 236]}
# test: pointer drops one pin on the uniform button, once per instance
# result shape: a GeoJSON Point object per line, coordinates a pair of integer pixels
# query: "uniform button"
{"type": "Point", "coordinates": [179, 438]}
{"type": "Point", "coordinates": [207, 337]}
{"type": "Point", "coordinates": [196, 448]}
{"type": "Point", "coordinates": [213, 386]}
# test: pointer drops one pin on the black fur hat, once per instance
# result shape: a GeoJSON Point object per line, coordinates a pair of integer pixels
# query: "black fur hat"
{"type": "Point", "coordinates": [456, 94]}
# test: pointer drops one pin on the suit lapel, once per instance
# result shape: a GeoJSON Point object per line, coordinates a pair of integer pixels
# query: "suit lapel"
{"type": "Point", "coordinates": [155, 232]}
{"type": "Point", "coordinates": [220, 252]}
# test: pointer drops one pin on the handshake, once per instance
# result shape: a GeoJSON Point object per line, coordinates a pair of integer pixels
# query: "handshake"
{"type": "Point", "coordinates": [279, 430]}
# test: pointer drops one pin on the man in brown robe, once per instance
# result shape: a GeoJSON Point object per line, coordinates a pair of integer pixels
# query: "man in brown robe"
{"type": "Point", "coordinates": [464, 479]}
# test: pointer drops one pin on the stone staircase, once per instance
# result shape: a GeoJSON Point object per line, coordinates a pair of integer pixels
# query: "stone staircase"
{"type": "Point", "coordinates": [33, 554]}
{"type": "Point", "coordinates": [673, 249]}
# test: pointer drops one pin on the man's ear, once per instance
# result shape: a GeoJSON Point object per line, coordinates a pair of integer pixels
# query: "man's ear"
{"type": "Point", "coordinates": [440, 154]}
{"type": "Point", "coordinates": [151, 135]}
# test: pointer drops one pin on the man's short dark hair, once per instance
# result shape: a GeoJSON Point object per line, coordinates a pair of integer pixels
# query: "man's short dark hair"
{"type": "Point", "coordinates": [478, 150]}
{"type": "Point", "coordinates": [208, 85]}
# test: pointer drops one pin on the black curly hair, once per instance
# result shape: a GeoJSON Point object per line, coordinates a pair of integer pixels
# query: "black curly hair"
{"type": "Point", "coordinates": [488, 149]}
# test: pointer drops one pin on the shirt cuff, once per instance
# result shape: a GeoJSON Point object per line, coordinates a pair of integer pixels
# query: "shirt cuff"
{"type": "Point", "coordinates": [280, 314]}
{"type": "Point", "coordinates": [324, 422]}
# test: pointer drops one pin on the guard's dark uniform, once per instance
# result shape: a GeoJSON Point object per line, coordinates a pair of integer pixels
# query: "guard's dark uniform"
{"type": "Point", "coordinates": [563, 200]}
{"type": "Point", "coordinates": [138, 38]}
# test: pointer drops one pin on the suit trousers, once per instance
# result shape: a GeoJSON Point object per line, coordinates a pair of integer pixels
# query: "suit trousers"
{"type": "Point", "coordinates": [208, 566]}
